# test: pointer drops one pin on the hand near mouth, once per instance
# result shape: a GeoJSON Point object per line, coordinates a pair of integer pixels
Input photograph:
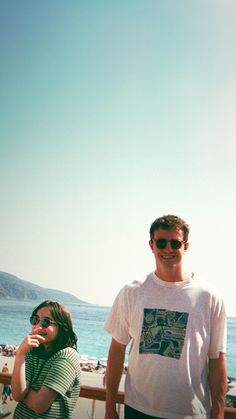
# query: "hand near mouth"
{"type": "Point", "coordinates": [32, 340]}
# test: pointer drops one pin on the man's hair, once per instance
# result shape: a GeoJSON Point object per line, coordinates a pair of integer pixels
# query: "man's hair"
{"type": "Point", "coordinates": [61, 315]}
{"type": "Point", "coordinates": [170, 222]}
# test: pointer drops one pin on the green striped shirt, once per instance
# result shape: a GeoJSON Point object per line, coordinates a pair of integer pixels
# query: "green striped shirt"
{"type": "Point", "coordinates": [60, 372]}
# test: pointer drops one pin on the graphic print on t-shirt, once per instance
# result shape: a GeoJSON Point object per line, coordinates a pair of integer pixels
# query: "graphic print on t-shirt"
{"type": "Point", "coordinates": [163, 332]}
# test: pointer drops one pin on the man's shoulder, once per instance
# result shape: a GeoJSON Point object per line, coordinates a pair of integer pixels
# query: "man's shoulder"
{"type": "Point", "coordinates": [138, 283]}
{"type": "Point", "coordinates": [207, 288]}
{"type": "Point", "coordinates": [135, 288]}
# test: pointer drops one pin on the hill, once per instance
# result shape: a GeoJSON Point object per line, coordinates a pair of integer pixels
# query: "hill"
{"type": "Point", "coordinates": [14, 288]}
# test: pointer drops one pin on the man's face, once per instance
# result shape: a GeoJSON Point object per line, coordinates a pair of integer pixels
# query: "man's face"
{"type": "Point", "coordinates": [170, 255]}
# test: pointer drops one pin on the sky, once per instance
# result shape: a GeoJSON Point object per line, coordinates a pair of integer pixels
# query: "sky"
{"type": "Point", "coordinates": [113, 114]}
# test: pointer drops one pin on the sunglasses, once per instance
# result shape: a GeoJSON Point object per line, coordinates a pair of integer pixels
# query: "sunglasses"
{"type": "Point", "coordinates": [44, 322]}
{"type": "Point", "coordinates": [162, 243]}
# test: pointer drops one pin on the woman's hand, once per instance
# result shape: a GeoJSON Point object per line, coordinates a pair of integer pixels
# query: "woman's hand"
{"type": "Point", "coordinates": [38, 401]}
{"type": "Point", "coordinates": [18, 381]}
{"type": "Point", "coordinates": [32, 340]}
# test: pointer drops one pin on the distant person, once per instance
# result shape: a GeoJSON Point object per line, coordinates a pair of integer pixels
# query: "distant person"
{"type": "Point", "coordinates": [176, 324]}
{"type": "Point", "coordinates": [98, 366]}
{"type": "Point", "coordinates": [6, 392]}
{"type": "Point", "coordinates": [46, 375]}
{"type": "Point", "coordinates": [5, 369]}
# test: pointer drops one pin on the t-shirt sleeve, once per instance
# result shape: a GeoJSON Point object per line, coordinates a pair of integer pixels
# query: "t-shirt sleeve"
{"type": "Point", "coordinates": [60, 376]}
{"type": "Point", "coordinates": [117, 323]}
{"type": "Point", "coordinates": [218, 330]}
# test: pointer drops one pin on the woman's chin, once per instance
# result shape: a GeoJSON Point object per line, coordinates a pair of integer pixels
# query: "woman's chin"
{"type": "Point", "coordinates": [47, 346]}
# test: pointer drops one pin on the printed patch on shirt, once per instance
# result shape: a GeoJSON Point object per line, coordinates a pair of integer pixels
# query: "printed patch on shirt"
{"type": "Point", "coordinates": [163, 332]}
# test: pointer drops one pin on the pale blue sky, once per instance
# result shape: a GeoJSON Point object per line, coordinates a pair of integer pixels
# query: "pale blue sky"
{"type": "Point", "coordinates": [112, 114]}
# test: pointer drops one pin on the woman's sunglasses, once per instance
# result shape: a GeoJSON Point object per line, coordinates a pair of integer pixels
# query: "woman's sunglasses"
{"type": "Point", "coordinates": [44, 322]}
{"type": "Point", "coordinates": [162, 243]}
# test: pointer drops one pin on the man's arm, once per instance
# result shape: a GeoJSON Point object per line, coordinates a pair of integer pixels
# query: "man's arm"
{"type": "Point", "coordinates": [218, 385]}
{"type": "Point", "coordinates": [114, 371]}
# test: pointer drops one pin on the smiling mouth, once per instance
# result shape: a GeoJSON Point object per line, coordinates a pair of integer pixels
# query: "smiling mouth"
{"type": "Point", "coordinates": [168, 257]}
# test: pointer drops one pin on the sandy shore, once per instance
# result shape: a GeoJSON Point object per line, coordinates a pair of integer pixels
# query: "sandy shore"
{"type": "Point", "coordinates": [83, 408]}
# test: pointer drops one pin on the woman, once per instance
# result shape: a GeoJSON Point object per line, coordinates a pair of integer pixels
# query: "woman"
{"type": "Point", "coordinates": [46, 375]}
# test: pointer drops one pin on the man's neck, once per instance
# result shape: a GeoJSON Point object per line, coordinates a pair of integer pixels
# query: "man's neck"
{"type": "Point", "coordinates": [172, 275]}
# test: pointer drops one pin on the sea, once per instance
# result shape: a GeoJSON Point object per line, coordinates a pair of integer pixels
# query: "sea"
{"type": "Point", "coordinates": [88, 322]}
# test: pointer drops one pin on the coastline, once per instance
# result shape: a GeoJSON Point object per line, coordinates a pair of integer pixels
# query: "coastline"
{"type": "Point", "coordinates": [83, 407]}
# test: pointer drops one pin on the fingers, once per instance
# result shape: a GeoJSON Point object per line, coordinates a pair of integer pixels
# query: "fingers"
{"type": "Point", "coordinates": [35, 330]}
{"type": "Point", "coordinates": [34, 337]}
{"type": "Point", "coordinates": [35, 340]}
{"type": "Point", "coordinates": [30, 341]}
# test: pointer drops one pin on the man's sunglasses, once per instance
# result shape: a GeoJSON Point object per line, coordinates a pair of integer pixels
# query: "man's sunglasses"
{"type": "Point", "coordinates": [44, 322]}
{"type": "Point", "coordinates": [162, 243]}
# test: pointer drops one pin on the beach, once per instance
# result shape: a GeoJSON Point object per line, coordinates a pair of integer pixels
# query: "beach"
{"type": "Point", "coordinates": [83, 407]}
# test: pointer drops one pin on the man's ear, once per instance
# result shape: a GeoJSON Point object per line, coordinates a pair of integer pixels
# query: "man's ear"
{"type": "Point", "coordinates": [151, 244]}
{"type": "Point", "coordinates": [186, 245]}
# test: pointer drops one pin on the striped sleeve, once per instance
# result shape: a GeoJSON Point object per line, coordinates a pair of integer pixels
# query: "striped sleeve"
{"type": "Point", "coordinates": [62, 374]}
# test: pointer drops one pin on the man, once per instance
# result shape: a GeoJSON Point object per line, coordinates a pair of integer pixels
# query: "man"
{"type": "Point", "coordinates": [176, 325]}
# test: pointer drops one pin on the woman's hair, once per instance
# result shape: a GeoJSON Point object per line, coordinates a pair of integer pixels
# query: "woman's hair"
{"type": "Point", "coordinates": [61, 315]}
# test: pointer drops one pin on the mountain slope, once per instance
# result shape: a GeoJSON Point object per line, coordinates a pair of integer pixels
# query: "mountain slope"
{"type": "Point", "coordinates": [12, 287]}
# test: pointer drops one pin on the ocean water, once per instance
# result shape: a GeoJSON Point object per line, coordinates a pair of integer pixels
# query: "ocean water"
{"type": "Point", "coordinates": [88, 323]}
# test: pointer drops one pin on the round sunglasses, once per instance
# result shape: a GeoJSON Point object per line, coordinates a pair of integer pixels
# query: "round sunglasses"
{"type": "Point", "coordinates": [44, 322]}
{"type": "Point", "coordinates": [162, 243]}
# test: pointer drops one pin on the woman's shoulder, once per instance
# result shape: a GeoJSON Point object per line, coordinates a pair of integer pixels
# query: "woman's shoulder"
{"type": "Point", "coordinates": [66, 356]}
{"type": "Point", "coordinates": [68, 351]}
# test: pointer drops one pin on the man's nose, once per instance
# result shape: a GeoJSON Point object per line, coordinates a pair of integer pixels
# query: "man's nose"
{"type": "Point", "coordinates": [168, 246]}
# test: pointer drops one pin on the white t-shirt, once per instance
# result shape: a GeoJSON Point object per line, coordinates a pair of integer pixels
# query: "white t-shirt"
{"type": "Point", "coordinates": [174, 328]}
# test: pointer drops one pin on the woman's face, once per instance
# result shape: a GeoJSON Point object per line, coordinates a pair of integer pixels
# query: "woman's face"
{"type": "Point", "coordinates": [49, 332]}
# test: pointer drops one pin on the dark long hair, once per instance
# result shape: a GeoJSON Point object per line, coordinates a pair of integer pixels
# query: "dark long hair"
{"type": "Point", "coordinates": [66, 336]}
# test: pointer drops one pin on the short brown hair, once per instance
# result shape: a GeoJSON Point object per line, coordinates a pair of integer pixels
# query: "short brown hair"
{"type": "Point", "coordinates": [170, 222]}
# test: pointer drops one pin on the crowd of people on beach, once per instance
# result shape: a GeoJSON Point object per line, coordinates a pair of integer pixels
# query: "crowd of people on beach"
{"type": "Point", "coordinates": [8, 350]}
